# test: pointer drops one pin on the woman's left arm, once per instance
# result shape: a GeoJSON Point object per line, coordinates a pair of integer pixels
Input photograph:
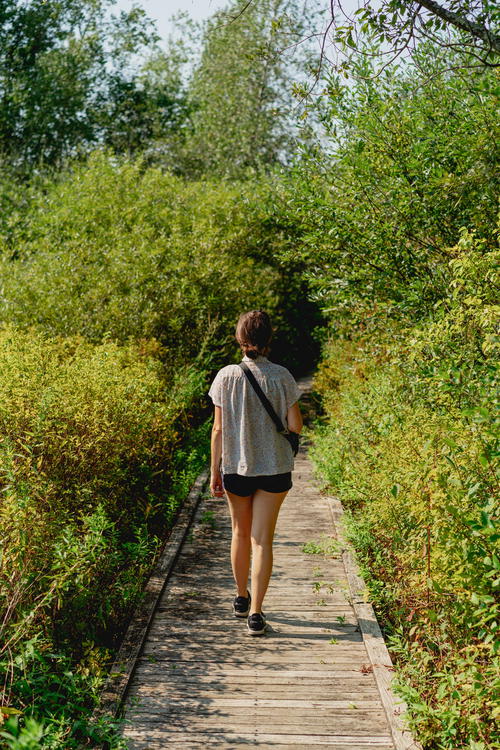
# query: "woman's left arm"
{"type": "Point", "coordinates": [294, 418]}
{"type": "Point", "coordinates": [216, 487]}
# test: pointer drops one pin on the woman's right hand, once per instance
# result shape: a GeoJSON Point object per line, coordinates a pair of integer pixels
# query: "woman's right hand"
{"type": "Point", "coordinates": [216, 487]}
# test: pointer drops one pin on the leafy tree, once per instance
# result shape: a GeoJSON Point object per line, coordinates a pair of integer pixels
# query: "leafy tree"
{"type": "Point", "coordinates": [241, 90]}
{"type": "Point", "coordinates": [400, 170]}
{"type": "Point", "coordinates": [59, 61]}
{"type": "Point", "coordinates": [147, 112]}
{"type": "Point", "coordinates": [396, 27]}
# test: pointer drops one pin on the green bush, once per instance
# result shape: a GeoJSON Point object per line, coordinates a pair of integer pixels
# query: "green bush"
{"type": "Point", "coordinates": [114, 250]}
{"type": "Point", "coordinates": [92, 467]}
{"type": "Point", "coordinates": [411, 445]}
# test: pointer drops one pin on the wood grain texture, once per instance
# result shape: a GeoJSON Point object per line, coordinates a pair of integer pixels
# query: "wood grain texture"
{"type": "Point", "coordinates": [115, 687]}
{"type": "Point", "coordinates": [378, 654]}
{"type": "Point", "coordinates": [319, 677]}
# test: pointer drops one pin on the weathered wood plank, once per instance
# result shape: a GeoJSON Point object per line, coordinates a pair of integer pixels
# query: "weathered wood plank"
{"type": "Point", "coordinates": [113, 693]}
{"type": "Point", "coordinates": [256, 659]}
{"type": "Point", "coordinates": [194, 744]}
{"type": "Point", "coordinates": [263, 714]}
{"type": "Point", "coordinates": [274, 713]}
{"type": "Point", "coordinates": [274, 639]}
{"type": "Point", "coordinates": [201, 681]}
{"type": "Point", "coordinates": [155, 698]}
{"type": "Point", "coordinates": [264, 739]}
{"type": "Point", "coordinates": [229, 669]}
{"type": "Point", "coordinates": [246, 723]}
{"type": "Point", "coordinates": [168, 624]}
{"type": "Point", "coordinates": [177, 678]}
{"type": "Point", "coordinates": [376, 648]}
{"type": "Point", "coordinates": [269, 661]}
{"type": "Point", "coordinates": [225, 701]}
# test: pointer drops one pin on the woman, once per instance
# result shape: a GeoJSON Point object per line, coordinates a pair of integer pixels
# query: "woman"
{"type": "Point", "coordinates": [251, 461]}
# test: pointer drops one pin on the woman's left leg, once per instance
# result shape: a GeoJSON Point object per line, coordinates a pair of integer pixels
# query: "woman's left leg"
{"type": "Point", "coordinates": [266, 506]}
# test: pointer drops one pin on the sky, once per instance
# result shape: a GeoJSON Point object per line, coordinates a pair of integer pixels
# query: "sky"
{"type": "Point", "coordinates": [162, 10]}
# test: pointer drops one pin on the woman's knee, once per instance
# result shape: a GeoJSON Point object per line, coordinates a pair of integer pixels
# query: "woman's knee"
{"type": "Point", "coordinates": [262, 539]}
{"type": "Point", "coordinates": [242, 532]}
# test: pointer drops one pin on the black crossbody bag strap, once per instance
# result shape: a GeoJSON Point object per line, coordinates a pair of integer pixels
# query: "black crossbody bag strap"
{"type": "Point", "coordinates": [265, 401]}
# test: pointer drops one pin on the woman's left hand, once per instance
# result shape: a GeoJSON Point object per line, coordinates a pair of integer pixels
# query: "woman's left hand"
{"type": "Point", "coordinates": [216, 488]}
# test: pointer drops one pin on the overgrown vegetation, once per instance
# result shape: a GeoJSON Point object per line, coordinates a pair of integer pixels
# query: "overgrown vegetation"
{"type": "Point", "coordinates": [122, 275]}
{"type": "Point", "coordinates": [121, 287]}
{"type": "Point", "coordinates": [411, 447]}
{"type": "Point", "coordinates": [408, 272]}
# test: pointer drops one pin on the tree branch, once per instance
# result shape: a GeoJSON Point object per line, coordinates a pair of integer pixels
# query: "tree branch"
{"type": "Point", "coordinates": [465, 24]}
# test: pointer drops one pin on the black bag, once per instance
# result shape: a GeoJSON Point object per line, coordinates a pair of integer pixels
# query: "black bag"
{"type": "Point", "coordinates": [292, 437]}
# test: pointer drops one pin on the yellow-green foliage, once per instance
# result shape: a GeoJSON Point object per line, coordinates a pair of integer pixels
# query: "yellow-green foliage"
{"type": "Point", "coordinates": [87, 436]}
{"type": "Point", "coordinates": [121, 287]}
{"type": "Point", "coordinates": [411, 446]}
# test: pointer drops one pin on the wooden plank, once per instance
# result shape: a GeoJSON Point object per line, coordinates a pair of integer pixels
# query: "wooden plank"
{"type": "Point", "coordinates": [238, 713]}
{"type": "Point", "coordinates": [349, 681]}
{"type": "Point", "coordinates": [274, 639]}
{"type": "Point", "coordinates": [252, 677]}
{"type": "Point", "coordinates": [115, 686]}
{"type": "Point", "coordinates": [370, 706]}
{"type": "Point", "coordinates": [269, 661]}
{"type": "Point", "coordinates": [176, 716]}
{"type": "Point", "coordinates": [333, 610]}
{"type": "Point", "coordinates": [196, 743]}
{"type": "Point", "coordinates": [226, 702]}
{"type": "Point", "coordinates": [354, 653]}
{"type": "Point", "coordinates": [151, 693]}
{"type": "Point", "coordinates": [165, 622]}
{"type": "Point", "coordinates": [201, 682]}
{"type": "Point", "coordinates": [222, 596]}
{"type": "Point", "coordinates": [263, 739]}
{"type": "Point", "coordinates": [299, 691]}
{"type": "Point", "coordinates": [290, 724]}
{"type": "Point", "coordinates": [376, 648]}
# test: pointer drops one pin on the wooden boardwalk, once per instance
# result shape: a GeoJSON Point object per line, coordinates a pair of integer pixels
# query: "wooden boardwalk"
{"type": "Point", "coordinates": [320, 675]}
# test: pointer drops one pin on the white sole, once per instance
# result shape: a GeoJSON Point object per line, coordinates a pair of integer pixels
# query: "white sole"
{"type": "Point", "coordinates": [243, 614]}
{"type": "Point", "coordinates": [257, 632]}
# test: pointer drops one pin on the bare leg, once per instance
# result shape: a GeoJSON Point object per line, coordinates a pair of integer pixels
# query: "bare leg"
{"type": "Point", "coordinates": [265, 509]}
{"type": "Point", "coordinates": [241, 519]}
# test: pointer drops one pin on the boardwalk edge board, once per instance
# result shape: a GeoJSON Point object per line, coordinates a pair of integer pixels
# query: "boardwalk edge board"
{"type": "Point", "coordinates": [117, 682]}
{"type": "Point", "coordinates": [376, 647]}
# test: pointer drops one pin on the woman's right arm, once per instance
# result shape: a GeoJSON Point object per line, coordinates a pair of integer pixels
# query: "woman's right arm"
{"type": "Point", "coordinates": [216, 487]}
{"type": "Point", "coordinates": [294, 418]}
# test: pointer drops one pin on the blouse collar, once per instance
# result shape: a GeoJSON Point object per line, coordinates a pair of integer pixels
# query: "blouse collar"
{"type": "Point", "coordinates": [259, 358]}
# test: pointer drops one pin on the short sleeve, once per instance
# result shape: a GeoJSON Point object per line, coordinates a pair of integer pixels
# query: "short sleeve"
{"type": "Point", "coordinates": [292, 390]}
{"type": "Point", "coordinates": [215, 391]}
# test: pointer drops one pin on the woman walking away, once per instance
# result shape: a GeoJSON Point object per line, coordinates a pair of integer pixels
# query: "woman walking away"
{"type": "Point", "coordinates": [251, 461]}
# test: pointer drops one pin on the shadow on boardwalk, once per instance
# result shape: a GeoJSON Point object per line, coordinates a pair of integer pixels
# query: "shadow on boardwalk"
{"type": "Point", "coordinates": [201, 681]}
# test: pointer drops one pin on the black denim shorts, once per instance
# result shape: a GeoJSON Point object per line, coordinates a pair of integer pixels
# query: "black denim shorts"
{"type": "Point", "coordinates": [240, 485]}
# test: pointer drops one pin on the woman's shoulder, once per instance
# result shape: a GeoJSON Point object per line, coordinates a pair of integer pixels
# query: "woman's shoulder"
{"type": "Point", "coordinates": [281, 371]}
{"type": "Point", "coordinates": [229, 371]}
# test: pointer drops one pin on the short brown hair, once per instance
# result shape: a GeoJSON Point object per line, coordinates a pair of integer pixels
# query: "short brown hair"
{"type": "Point", "coordinates": [254, 333]}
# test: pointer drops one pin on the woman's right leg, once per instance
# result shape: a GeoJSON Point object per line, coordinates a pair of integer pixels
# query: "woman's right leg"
{"type": "Point", "coordinates": [266, 506]}
{"type": "Point", "coordinates": [241, 519]}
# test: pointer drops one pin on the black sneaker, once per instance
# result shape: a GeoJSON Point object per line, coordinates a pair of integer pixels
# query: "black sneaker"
{"type": "Point", "coordinates": [241, 605]}
{"type": "Point", "coordinates": [256, 623]}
